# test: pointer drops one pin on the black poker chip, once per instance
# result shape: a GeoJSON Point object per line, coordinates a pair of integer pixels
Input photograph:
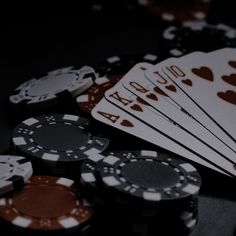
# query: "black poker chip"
{"type": "Point", "coordinates": [150, 176]}
{"type": "Point", "coordinates": [175, 179]}
{"type": "Point", "coordinates": [173, 212]}
{"type": "Point", "coordinates": [146, 175]}
{"type": "Point", "coordinates": [139, 225]}
{"type": "Point", "coordinates": [160, 225]}
{"type": "Point", "coordinates": [57, 139]}
{"type": "Point", "coordinates": [109, 72]}
{"type": "Point", "coordinates": [168, 227]}
{"type": "Point", "coordinates": [147, 221]}
{"type": "Point", "coordinates": [178, 40]}
{"type": "Point", "coordinates": [88, 180]}
{"type": "Point", "coordinates": [89, 173]}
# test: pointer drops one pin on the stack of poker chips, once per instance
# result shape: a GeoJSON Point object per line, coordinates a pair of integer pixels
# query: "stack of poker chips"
{"type": "Point", "coordinates": [46, 205]}
{"type": "Point", "coordinates": [142, 192]}
{"type": "Point", "coordinates": [136, 192]}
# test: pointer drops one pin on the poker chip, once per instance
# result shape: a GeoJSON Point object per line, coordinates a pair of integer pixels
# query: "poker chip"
{"type": "Point", "coordinates": [57, 139]}
{"type": "Point", "coordinates": [15, 171]}
{"type": "Point", "coordinates": [153, 221]}
{"type": "Point", "coordinates": [89, 170]}
{"type": "Point", "coordinates": [88, 179]}
{"type": "Point", "coordinates": [150, 176]}
{"type": "Point", "coordinates": [155, 228]}
{"type": "Point", "coordinates": [177, 11]}
{"type": "Point", "coordinates": [197, 36]}
{"type": "Point", "coordinates": [47, 203]}
{"type": "Point", "coordinates": [109, 177]}
{"type": "Point", "coordinates": [144, 223]}
{"type": "Point", "coordinates": [44, 92]}
{"type": "Point", "coordinates": [109, 73]}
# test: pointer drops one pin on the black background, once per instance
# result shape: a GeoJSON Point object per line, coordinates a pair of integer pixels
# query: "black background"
{"type": "Point", "coordinates": [33, 43]}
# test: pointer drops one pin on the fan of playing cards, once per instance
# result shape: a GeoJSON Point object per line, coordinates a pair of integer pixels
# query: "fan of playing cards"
{"type": "Point", "coordinates": [186, 105]}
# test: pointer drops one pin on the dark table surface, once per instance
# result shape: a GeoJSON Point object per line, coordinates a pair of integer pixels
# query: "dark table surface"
{"type": "Point", "coordinates": [35, 43]}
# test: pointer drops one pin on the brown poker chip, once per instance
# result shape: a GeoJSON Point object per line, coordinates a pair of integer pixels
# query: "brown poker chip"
{"type": "Point", "coordinates": [47, 203]}
{"type": "Point", "coordinates": [95, 93]}
{"type": "Point", "coordinates": [179, 10]}
{"type": "Point", "coordinates": [109, 73]}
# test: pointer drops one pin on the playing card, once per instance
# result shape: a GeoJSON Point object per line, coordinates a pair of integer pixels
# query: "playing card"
{"type": "Point", "coordinates": [111, 115]}
{"type": "Point", "coordinates": [213, 85]}
{"type": "Point", "coordinates": [174, 88]}
{"type": "Point", "coordinates": [209, 147]}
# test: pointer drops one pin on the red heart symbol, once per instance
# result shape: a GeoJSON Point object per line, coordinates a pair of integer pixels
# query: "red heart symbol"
{"type": "Point", "coordinates": [140, 100]}
{"type": "Point", "coordinates": [152, 96]}
{"type": "Point", "coordinates": [136, 107]}
{"type": "Point", "coordinates": [232, 64]}
{"type": "Point", "coordinates": [126, 123]}
{"type": "Point", "coordinates": [203, 72]}
{"type": "Point", "coordinates": [231, 79]}
{"type": "Point", "coordinates": [171, 88]}
{"type": "Point", "coordinates": [187, 82]}
{"type": "Point", "coordinates": [228, 96]}
{"type": "Point", "coordinates": [158, 90]}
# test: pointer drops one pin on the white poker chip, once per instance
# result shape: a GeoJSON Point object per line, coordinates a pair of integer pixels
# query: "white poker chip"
{"type": "Point", "coordinates": [15, 171]}
{"type": "Point", "coordinates": [45, 90]}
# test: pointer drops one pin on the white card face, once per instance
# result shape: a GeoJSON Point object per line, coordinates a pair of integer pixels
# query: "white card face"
{"type": "Point", "coordinates": [215, 150]}
{"type": "Point", "coordinates": [130, 103]}
{"type": "Point", "coordinates": [213, 85]}
{"type": "Point", "coordinates": [180, 91]}
{"type": "Point", "coordinates": [111, 115]}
